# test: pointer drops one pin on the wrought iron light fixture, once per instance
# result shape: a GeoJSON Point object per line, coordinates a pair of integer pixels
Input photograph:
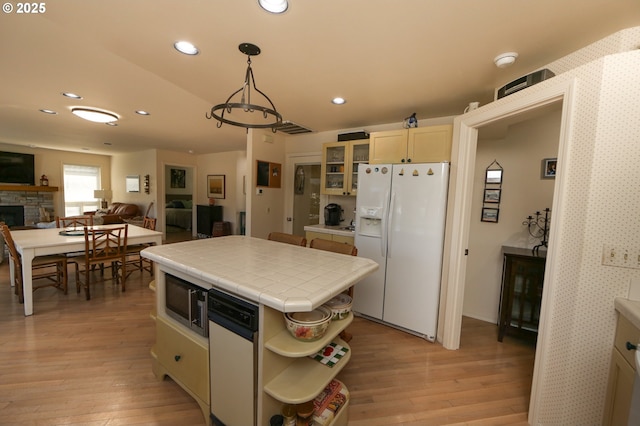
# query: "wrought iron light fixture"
{"type": "Point", "coordinates": [245, 113]}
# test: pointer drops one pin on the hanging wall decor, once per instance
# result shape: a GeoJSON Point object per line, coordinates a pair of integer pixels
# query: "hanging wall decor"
{"type": "Point", "coordinates": [492, 192]}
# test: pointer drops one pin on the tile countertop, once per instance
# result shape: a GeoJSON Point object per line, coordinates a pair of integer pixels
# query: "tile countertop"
{"type": "Point", "coordinates": [282, 276]}
{"type": "Point", "coordinates": [335, 230]}
{"type": "Point", "coordinates": [630, 309]}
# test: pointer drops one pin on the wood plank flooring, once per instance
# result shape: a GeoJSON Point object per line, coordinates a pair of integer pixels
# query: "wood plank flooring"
{"type": "Point", "coordinates": [87, 362]}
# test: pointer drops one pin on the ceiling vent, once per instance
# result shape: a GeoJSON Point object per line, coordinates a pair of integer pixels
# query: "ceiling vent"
{"type": "Point", "coordinates": [292, 128]}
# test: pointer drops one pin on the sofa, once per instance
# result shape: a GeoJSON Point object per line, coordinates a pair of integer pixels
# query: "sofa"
{"type": "Point", "coordinates": [115, 213]}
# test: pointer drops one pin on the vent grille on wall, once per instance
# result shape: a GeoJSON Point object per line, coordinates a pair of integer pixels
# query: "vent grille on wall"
{"type": "Point", "coordinates": [292, 128]}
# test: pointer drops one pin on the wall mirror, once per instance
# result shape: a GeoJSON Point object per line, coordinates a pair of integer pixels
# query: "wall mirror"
{"type": "Point", "coordinates": [132, 183]}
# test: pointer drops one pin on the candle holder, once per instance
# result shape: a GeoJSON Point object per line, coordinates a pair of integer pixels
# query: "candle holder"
{"type": "Point", "coordinates": [538, 227]}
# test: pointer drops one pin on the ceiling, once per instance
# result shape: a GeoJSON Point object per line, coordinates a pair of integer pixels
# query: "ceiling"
{"type": "Point", "coordinates": [387, 59]}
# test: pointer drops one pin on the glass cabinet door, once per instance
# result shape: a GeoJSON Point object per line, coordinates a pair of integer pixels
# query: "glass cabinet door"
{"type": "Point", "coordinates": [340, 166]}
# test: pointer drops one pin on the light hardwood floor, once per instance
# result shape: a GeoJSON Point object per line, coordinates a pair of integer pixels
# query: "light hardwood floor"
{"type": "Point", "coordinates": [87, 362]}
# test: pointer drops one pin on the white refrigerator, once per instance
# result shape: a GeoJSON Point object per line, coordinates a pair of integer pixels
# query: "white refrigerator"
{"type": "Point", "coordinates": [400, 219]}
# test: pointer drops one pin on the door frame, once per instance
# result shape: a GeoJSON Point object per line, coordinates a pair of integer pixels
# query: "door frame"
{"type": "Point", "coordinates": [290, 167]}
{"type": "Point", "coordinates": [465, 139]}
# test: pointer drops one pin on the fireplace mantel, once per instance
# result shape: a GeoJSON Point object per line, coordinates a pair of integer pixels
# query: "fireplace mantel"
{"type": "Point", "coordinates": [28, 188]}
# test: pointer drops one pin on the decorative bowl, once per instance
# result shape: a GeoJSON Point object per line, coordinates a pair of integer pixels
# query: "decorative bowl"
{"type": "Point", "coordinates": [308, 326]}
{"type": "Point", "coordinates": [340, 306]}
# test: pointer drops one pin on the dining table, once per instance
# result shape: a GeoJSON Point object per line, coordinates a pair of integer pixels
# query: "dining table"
{"type": "Point", "coordinates": [31, 243]}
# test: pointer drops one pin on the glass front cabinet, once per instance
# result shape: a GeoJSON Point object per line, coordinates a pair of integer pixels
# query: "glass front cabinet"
{"type": "Point", "coordinates": [340, 166]}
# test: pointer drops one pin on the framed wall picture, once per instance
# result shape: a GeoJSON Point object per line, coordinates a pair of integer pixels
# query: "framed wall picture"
{"type": "Point", "coordinates": [178, 178]}
{"type": "Point", "coordinates": [493, 176]}
{"type": "Point", "coordinates": [490, 214]}
{"type": "Point", "coordinates": [549, 168]}
{"type": "Point", "coordinates": [492, 195]}
{"type": "Point", "coordinates": [216, 186]}
{"type": "Point", "coordinates": [132, 183]}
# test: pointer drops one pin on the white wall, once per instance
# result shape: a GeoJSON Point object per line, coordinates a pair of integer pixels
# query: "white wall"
{"type": "Point", "coordinates": [232, 166]}
{"type": "Point", "coordinates": [50, 162]}
{"type": "Point", "coordinates": [135, 164]}
{"type": "Point", "coordinates": [265, 212]}
{"type": "Point", "coordinates": [520, 154]}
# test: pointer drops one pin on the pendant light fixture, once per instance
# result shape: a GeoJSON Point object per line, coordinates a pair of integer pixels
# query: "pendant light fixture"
{"type": "Point", "coordinates": [243, 112]}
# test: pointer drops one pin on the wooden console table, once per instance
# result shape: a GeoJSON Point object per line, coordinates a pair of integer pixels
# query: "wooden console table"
{"type": "Point", "coordinates": [522, 281]}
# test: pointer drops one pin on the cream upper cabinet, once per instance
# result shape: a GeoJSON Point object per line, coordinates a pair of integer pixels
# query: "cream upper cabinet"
{"type": "Point", "coordinates": [416, 145]}
{"type": "Point", "coordinates": [339, 168]}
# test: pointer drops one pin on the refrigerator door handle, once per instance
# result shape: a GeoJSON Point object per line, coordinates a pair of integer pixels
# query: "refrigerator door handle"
{"type": "Point", "coordinates": [383, 229]}
{"type": "Point", "coordinates": [387, 232]}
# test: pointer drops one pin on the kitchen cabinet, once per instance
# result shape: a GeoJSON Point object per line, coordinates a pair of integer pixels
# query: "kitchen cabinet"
{"type": "Point", "coordinates": [183, 356]}
{"type": "Point", "coordinates": [522, 281]}
{"type": "Point", "coordinates": [621, 374]}
{"type": "Point", "coordinates": [416, 145]}
{"type": "Point", "coordinates": [289, 375]}
{"type": "Point", "coordinates": [339, 169]}
{"type": "Point", "coordinates": [310, 235]}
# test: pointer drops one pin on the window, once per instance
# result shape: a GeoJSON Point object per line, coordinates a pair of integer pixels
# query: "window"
{"type": "Point", "coordinates": [79, 184]}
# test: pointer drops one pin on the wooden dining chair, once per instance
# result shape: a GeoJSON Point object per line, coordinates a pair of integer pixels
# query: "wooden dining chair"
{"type": "Point", "coordinates": [342, 248]}
{"type": "Point", "coordinates": [48, 271]}
{"type": "Point", "coordinates": [74, 221]}
{"type": "Point", "coordinates": [133, 251]}
{"type": "Point", "coordinates": [282, 237]}
{"type": "Point", "coordinates": [102, 246]}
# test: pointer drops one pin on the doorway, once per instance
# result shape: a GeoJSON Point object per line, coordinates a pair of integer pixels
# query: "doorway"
{"type": "Point", "coordinates": [306, 197]}
{"type": "Point", "coordinates": [462, 178]}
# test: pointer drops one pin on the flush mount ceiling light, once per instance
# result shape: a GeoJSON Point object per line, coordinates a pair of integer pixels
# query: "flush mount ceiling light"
{"type": "Point", "coordinates": [274, 6]}
{"type": "Point", "coordinates": [71, 95]}
{"type": "Point", "coordinates": [95, 115]}
{"type": "Point", "coordinates": [505, 59]}
{"type": "Point", "coordinates": [244, 113]}
{"type": "Point", "coordinates": [186, 48]}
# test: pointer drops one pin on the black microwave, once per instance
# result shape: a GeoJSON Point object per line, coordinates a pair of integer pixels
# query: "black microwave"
{"type": "Point", "coordinates": [186, 303]}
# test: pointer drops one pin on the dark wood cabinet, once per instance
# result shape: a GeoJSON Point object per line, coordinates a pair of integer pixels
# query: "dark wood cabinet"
{"type": "Point", "coordinates": [206, 216]}
{"type": "Point", "coordinates": [522, 281]}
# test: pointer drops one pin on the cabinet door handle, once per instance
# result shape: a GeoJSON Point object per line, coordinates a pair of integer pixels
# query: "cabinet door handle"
{"type": "Point", "coordinates": [177, 358]}
{"type": "Point", "coordinates": [631, 346]}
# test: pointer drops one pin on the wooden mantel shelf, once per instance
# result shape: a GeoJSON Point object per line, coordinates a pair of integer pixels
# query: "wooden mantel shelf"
{"type": "Point", "coordinates": [28, 188]}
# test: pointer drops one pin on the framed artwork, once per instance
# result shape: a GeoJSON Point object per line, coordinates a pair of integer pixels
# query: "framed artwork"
{"type": "Point", "coordinates": [492, 195]}
{"type": "Point", "coordinates": [132, 183]}
{"type": "Point", "coordinates": [215, 186]}
{"type": "Point", "coordinates": [493, 176]}
{"type": "Point", "coordinates": [549, 168]}
{"type": "Point", "coordinates": [178, 178]}
{"type": "Point", "coordinates": [490, 214]}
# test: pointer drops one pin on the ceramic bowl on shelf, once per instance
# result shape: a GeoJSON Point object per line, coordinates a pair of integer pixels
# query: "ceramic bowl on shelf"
{"type": "Point", "coordinates": [308, 326]}
{"type": "Point", "coordinates": [340, 306]}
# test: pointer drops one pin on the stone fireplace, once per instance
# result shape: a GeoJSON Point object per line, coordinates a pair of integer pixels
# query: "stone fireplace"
{"type": "Point", "coordinates": [12, 215]}
{"type": "Point", "coordinates": [28, 201]}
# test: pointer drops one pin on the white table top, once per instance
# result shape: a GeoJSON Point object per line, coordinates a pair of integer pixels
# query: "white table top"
{"type": "Point", "coordinates": [282, 276]}
{"type": "Point", "coordinates": [41, 242]}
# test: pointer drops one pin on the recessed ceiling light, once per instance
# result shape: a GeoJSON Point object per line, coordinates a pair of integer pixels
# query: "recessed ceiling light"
{"type": "Point", "coordinates": [71, 95]}
{"type": "Point", "coordinates": [48, 111]}
{"type": "Point", "coordinates": [111, 123]}
{"type": "Point", "coordinates": [338, 101]}
{"type": "Point", "coordinates": [186, 48]}
{"type": "Point", "coordinates": [95, 115]}
{"type": "Point", "coordinates": [274, 6]}
{"type": "Point", "coordinates": [141, 112]}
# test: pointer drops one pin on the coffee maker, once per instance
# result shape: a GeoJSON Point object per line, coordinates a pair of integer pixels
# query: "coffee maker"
{"type": "Point", "coordinates": [332, 214]}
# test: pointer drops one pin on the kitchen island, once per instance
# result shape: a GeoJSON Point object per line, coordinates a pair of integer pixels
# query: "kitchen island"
{"type": "Point", "coordinates": [277, 278]}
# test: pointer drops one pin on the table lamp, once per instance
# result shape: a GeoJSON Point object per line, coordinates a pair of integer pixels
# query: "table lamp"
{"type": "Point", "coordinates": [104, 195]}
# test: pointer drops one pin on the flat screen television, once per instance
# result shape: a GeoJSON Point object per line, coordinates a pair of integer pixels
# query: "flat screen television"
{"type": "Point", "coordinates": [17, 168]}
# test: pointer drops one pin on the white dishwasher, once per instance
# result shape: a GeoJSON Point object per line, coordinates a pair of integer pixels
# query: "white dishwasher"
{"type": "Point", "coordinates": [233, 359]}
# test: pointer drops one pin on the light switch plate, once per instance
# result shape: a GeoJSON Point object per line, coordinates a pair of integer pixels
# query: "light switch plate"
{"type": "Point", "coordinates": [634, 289]}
